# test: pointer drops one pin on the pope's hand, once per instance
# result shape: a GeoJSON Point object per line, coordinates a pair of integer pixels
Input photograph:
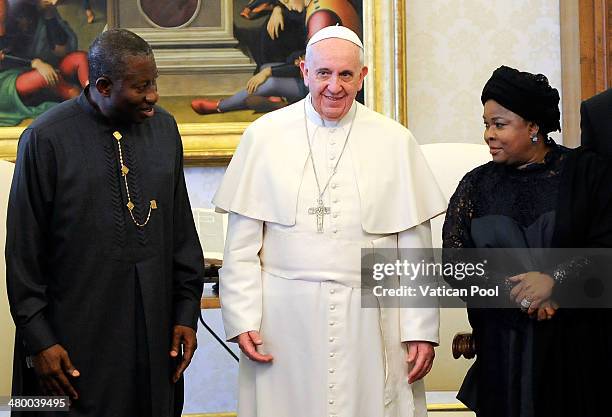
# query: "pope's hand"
{"type": "Point", "coordinates": [248, 342]}
{"type": "Point", "coordinates": [420, 356]}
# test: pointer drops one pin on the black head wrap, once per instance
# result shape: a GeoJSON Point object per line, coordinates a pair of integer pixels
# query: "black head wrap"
{"type": "Point", "coordinates": [528, 95]}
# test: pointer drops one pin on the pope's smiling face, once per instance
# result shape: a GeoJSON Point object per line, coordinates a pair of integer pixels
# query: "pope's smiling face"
{"type": "Point", "coordinates": [334, 75]}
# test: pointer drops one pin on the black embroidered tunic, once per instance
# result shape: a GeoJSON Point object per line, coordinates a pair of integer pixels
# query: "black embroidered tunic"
{"type": "Point", "coordinates": [80, 272]}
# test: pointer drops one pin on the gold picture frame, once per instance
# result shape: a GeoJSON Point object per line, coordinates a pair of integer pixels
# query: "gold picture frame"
{"type": "Point", "coordinates": [213, 144]}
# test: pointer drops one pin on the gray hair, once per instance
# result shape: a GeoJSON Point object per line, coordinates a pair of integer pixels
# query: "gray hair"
{"type": "Point", "coordinates": [108, 53]}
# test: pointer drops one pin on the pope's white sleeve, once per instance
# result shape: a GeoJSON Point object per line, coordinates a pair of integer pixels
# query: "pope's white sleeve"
{"type": "Point", "coordinates": [418, 323]}
{"type": "Point", "coordinates": [240, 287]}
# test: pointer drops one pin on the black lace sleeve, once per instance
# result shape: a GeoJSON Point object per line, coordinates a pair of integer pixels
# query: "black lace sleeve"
{"type": "Point", "coordinates": [456, 229]}
{"type": "Point", "coordinates": [456, 236]}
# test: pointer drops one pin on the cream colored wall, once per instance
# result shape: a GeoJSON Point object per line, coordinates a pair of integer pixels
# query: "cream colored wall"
{"type": "Point", "coordinates": [453, 46]}
{"type": "Point", "coordinates": [7, 329]}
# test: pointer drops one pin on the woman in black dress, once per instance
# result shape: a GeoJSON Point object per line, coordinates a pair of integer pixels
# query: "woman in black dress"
{"type": "Point", "coordinates": [539, 357]}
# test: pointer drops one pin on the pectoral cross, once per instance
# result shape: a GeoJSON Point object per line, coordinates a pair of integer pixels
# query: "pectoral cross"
{"type": "Point", "coordinates": [320, 210]}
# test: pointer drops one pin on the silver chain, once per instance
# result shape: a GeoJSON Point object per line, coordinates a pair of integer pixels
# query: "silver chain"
{"type": "Point", "coordinates": [314, 169]}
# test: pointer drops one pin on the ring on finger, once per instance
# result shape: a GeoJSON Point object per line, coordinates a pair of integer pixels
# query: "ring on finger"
{"type": "Point", "coordinates": [525, 303]}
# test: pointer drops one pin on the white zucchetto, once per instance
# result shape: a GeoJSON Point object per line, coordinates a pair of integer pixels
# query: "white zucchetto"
{"type": "Point", "coordinates": [340, 32]}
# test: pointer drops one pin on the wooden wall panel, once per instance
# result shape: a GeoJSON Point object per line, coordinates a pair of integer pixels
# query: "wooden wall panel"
{"type": "Point", "coordinates": [595, 19]}
{"type": "Point", "coordinates": [609, 40]}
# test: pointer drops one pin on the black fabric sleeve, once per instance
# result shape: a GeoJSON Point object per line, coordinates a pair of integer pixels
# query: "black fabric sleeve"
{"type": "Point", "coordinates": [456, 229]}
{"type": "Point", "coordinates": [587, 135]}
{"type": "Point", "coordinates": [30, 209]}
{"type": "Point", "coordinates": [459, 248]}
{"type": "Point", "coordinates": [188, 260]}
{"type": "Point", "coordinates": [585, 221]}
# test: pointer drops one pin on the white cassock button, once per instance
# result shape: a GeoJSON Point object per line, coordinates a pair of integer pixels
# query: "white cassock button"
{"type": "Point", "coordinates": [331, 386]}
{"type": "Point", "coordinates": [332, 291]}
{"type": "Point", "coordinates": [335, 230]}
{"type": "Point", "coordinates": [331, 339]}
{"type": "Point", "coordinates": [331, 323]}
{"type": "Point", "coordinates": [335, 200]}
{"type": "Point", "coordinates": [332, 143]}
{"type": "Point", "coordinates": [332, 370]}
{"type": "Point", "coordinates": [331, 401]}
{"type": "Point", "coordinates": [332, 307]}
{"type": "Point", "coordinates": [332, 130]}
{"type": "Point", "coordinates": [335, 215]}
{"type": "Point", "coordinates": [332, 157]}
{"type": "Point", "coordinates": [334, 186]}
{"type": "Point", "coordinates": [332, 354]}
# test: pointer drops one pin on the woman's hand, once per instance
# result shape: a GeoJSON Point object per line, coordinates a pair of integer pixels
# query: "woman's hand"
{"type": "Point", "coordinates": [258, 79]}
{"type": "Point", "coordinates": [532, 289]}
{"type": "Point", "coordinates": [47, 71]}
{"type": "Point", "coordinates": [546, 311]}
{"type": "Point", "coordinates": [276, 23]}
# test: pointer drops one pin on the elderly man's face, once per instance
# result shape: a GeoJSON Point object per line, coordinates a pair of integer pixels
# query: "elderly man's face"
{"type": "Point", "coordinates": [508, 135]}
{"type": "Point", "coordinates": [334, 76]}
{"type": "Point", "coordinates": [133, 97]}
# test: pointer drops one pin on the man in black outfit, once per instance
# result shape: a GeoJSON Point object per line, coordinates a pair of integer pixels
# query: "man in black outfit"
{"type": "Point", "coordinates": [596, 123]}
{"type": "Point", "coordinates": [103, 259]}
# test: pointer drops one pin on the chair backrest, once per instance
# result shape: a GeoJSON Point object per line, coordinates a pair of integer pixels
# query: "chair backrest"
{"type": "Point", "coordinates": [449, 162]}
{"type": "Point", "coordinates": [7, 328]}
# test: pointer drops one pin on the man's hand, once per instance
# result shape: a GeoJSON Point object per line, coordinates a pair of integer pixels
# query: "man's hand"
{"type": "Point", "coordinates": [421, 356]}
{"type": "Point", "coordinates": [248, 342]}
{"type": "Point", "coordinates": [276, 23]}
{"type": "Point", "coordinates": [258, 79]}
{"type": "Point", "coordinates": [53, 367]}
{"type": "Point", "coordinates": [47, 71]}
{"type": "Point", "coordinates": [183, 339]}
{"type": "Point", "coordinates": [533, 286]}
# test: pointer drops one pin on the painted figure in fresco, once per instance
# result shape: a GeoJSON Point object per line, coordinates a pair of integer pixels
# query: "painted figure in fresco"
{"type": "Point", "coordinates": [170, 14]}
{"type": "Point", "coordinates": [89, 14]}
{"type": "Point", "coordinates": [3, 7]}
{"type": "Point", "coordinates": [88, 11]}
{"type": "Point", "coordinates": [39, 63]}
{"type": "Point", "coordinates": [278, 81]}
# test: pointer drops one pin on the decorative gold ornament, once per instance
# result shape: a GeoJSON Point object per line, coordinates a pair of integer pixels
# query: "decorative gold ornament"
{"type": "Point", "coordinates": [124, 173]}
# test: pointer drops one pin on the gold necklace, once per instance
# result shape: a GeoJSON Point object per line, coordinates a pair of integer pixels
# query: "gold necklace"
{"type": "Point", "coordinates": [124, 173]}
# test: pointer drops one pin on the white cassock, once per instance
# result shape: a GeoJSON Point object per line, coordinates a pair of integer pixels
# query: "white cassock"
{"type": "Point", "coordinates": [300, 288]}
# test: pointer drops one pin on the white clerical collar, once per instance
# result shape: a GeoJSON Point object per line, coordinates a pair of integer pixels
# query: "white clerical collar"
{"type": "Point", "coordinates": [316, 118]}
